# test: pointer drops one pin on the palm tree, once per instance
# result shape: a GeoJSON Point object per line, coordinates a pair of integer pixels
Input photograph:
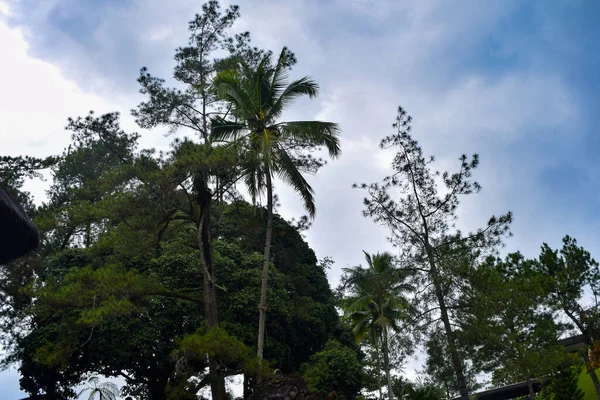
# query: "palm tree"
{"type": "Point", "coordinates": [423, 390]}
{"type": "Point", "coordinates": [377, 302]}
{"type": "Point", "coordinates": [257, 98]}
{"type": "Point", "coordinates": [104, 390]}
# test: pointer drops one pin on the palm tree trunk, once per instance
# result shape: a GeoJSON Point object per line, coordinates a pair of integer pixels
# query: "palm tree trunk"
{"type": "Point", "coordinates": [386, 358]}
{"type": "Point", "coordinates": [378, 367]}
{"type": "Point", "coordinates": [265, 274]}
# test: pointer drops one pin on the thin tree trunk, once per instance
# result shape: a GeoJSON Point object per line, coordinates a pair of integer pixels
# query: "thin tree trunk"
{"type": "Point", "coordinates": [265, 274]}
{"type": "Point", "coordinates": [217, 383]}
{"type": "Point", "coordinates": [386, 360]}
{"type": "Point", "coordinates": [247, 387]}
{"type": "Point", "coordinates": [531, 391]}
{"type": "Point", "coordinates": [88, 235]}
{"type": "Point", "coordinates": [378, 368]}
{"type": "Point", "coordinates": [211, 311]}
{"type": "Point", "coordinates": [454, 357]}
{"type": "Point", "coordinates": [157, 384]}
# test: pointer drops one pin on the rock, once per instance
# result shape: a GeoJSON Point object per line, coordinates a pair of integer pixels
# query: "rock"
{"type": "Point", "coordinates": [288, 387]}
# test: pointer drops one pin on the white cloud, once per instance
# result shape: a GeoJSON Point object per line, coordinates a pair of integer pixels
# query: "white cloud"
{"type": "Point", "coordinates": [36, 99]}
{"type": "Point", "coordinates": [518, 105]}
{"type": "Point", "coordinates": [5, 9]}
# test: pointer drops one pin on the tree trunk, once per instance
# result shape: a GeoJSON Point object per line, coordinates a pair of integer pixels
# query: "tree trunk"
{"type": "Point", "coordinates": [217, 383]}
{"type": "Point", "coordinates": [455, 358]}
{"type": "Point", "coordinates": [211, 311]}
{"type": "Point", "coordinates": [386, 360]}
{"type": "Point", "coordinates": [247, 387]}
{"type": "Point", "coordinates": [265, 274]}
{"type": "Point", "coordinates": [530, 387]}
{"type": "Point", "coordinates": [88, 236]}
{"type": "Point", "coordinates": [157, 385]}
{"type": "Point", "coordinates": [205, 245]}
{"type": "Point", "coordinates": [378, 368]}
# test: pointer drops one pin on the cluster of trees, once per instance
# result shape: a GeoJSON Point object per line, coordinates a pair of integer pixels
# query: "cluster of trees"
{"type": "Point", "coordinates": [152, 267]}
{"type": "Point", "coordinates": [173, 270]}
{"type": "Point", "coordinates": [474, 311]}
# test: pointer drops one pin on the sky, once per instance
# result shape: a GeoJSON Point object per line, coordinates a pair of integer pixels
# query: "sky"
{"type": "Point", "coordinates": [515, 81]}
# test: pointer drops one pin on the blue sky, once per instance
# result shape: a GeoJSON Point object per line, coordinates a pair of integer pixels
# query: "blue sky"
{"type": "Point", "coordinates": [515, 81]}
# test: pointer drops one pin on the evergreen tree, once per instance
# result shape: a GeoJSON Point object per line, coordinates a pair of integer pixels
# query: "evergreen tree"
{"type": "Point", "coordinates": [421, 222]}
{"type": "Point", "coordinates": [563, 385]}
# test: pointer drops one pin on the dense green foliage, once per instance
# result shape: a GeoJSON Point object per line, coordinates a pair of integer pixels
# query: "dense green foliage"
{"type": "Point", "coordinates": [514, 338]}
{"type": "Point", "coordinates": [138, 248]}
{"type": "Point", "coordinates": [335, 368]}
{"type": "Point", "coordinates": [563, 385]}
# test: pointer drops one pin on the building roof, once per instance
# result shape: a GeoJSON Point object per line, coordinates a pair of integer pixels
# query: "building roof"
{"type": "Point", "coordinates": [18, 235]}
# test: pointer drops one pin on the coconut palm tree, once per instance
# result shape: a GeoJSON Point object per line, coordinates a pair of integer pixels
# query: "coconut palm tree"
{"type": "Point", "coordinates": [377, 302]}
{"type": "Point", "coordinates": [257, 98]}
{"type": "Point", "coordinates": [104, 390]}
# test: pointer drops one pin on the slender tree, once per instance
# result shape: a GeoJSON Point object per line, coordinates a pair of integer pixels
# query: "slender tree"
{"type": "Point", "coordinates": [257, 98]}
{"type": "Point", "coordinates": [191, 109]}
{"type": "Point", "coordinates": [421, 222]}
{"type": "Point", "coordinates": [104, 390]}
{"type": "Point", "coordinates": [377, 302]}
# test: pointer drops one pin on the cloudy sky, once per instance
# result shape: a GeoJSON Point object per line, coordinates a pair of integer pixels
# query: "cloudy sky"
{"type": "Point", "coordinates": [515, 81]}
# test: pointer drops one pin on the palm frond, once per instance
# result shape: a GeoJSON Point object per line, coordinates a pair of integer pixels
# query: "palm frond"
{"type": "Point", "coordinates": [316, 133]}
{"type": "Point", "coordinates": [259, 83]}
{"type": "Point", "coordinates": [254, 181]}
{"type": "Point", "coordinates": [301, 87]}
{"type": "Point", "coordinates": [290, 174]}
{"type": "Point", "coordinates": [359, 303]}
{"type": "Point", "coordinates": [280, 75]}
{"type": "Point", "coordinates": [224, 130]}
{"type": "Point", "coordinates": [377, 300]}
{"type": "Point", "coordinates": [231, 87]}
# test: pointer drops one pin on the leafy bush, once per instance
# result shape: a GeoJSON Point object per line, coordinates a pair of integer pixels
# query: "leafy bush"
{"type": "Point", "coordinates": [337, 368]}
{"type": "Point", "coordinates": [563, 385]}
